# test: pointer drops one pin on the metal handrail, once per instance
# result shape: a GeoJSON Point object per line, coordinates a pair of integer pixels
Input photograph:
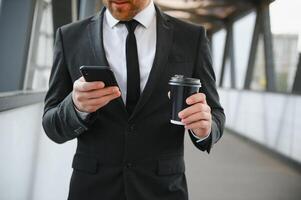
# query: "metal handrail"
{"type": "Point", "coordinates": [17, 99]}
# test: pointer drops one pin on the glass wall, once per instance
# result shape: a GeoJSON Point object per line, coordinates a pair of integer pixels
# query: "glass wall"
{"type": "Point", "coordinates": [286, 32]}
{"type": "Point", "coordinates": [286, 29]}
{"type": "Point", "coordinates": [259, 81]}
{"type": "Point", "coordinates": [242, 30]}
{"type": "Point", "coordinates": [218, 43]}
{"type": "Point", "coordinates": [26, 39]}
{"type": "Point", "coordinates": [40, 53]}
{"type": "Point", "coordinates": [242, 36]}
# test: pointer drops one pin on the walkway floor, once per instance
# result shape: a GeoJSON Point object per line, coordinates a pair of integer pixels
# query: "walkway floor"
{"type": "Point", "coordinates": [236, 170]}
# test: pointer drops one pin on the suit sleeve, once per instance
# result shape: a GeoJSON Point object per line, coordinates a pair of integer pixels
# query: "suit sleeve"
{"type": "Point", "coordinates": [60, 119]}
{"type": "Point", "coordinates": [204, 71]}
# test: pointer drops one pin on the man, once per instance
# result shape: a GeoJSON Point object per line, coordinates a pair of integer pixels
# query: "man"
{"type": "Point", "coordinates": [127, 148]}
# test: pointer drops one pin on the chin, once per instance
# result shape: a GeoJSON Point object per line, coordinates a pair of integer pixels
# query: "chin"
{"type": "Point", "coordinates": [122, 16]}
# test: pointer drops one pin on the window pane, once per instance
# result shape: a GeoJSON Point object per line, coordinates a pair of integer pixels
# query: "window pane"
{"type": "Point", "coordinates": [40, 60]}
{"type": "Point", "coordinates": [218, 45]}
{"type": "Point", "coordinates": [242, 36]}
{"type": "Point", "coordinates": [259, 77]}
{"type": "Point", "coordinates": [285, 52]}
{"type": "Point", "coordinates": [227, 75]}
{"type": "Point", "coordinates": [15, 32]}
{"type": "Point", "coordinates": [243, 32]}
{"type": "Point", "coordinates": [286, 34]}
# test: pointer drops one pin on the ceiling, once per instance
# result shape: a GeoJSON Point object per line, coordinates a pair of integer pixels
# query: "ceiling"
{"type": "Point", "coordinates": [213, 14]}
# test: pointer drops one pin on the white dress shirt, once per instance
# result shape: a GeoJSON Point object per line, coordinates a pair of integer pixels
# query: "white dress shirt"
{"type": "Point", "coordinates": [115, 34]}
{"type": "Point", "coordinates": [114, 41]}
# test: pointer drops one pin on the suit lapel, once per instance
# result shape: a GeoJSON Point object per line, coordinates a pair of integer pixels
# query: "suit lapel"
{"type": "Point", "coordinates": [164, 42]}
{"type": "Point", "coordinates": [96, 38]}
{"type": "Point", "coordinates": [96, 44]}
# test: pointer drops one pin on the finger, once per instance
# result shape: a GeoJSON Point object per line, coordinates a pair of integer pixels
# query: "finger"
{"type": "Point", "coordinates": [203, 124]}
{"type": "Point", "coordinates": [87, 86]}
{"type": "Point", "coordinates": [196, 98]}
{"type": "Point", "coordinates": [108, 98]}
{"type": "Point", "coordinates": [99, 102]}
{"type": "Point", "coordinates": [196, 117]}
{"type": "Point", "coordinates": [198, 107]}
{"type": "Point", "coordinates": [98, 93]}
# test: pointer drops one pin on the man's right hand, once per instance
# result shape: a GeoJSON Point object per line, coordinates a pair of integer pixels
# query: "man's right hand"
{"type": "Point", "coordinates": [90, 96]}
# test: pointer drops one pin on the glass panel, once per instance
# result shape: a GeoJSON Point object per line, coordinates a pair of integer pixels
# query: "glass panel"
{"type": "Point", "coordinates": [41, 57]}
{"type": "Point", "coordinates": [227, 75]}
{"type": "Point", "coordinates": [243, 32]}
{"type": "Point", "coordinates": [286, 29]}
{"type": "Point", "coordinates": [285, 52]}
{"type": "Point", "coordinates": [259, 77]}
{"type": "Point", "coordinates": [242, 36]}
{"type": "Point", "coordinates": [15, 34]}
{"type": "Point", "coordinates": [218, 45]}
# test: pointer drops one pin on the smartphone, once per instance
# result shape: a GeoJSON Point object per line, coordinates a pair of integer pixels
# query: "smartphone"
{"type": "Point", "coordinates": [98, 73]}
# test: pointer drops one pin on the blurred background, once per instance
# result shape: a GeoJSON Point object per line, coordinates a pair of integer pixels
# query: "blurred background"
{"type": "Point", "coordinates": [256, 49]}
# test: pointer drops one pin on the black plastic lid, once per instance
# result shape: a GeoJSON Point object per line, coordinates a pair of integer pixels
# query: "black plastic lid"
{"type": "Point", "coordinates": [181, 79]}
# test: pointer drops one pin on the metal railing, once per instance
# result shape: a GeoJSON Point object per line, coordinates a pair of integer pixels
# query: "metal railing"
{"type": "Point", "coordinates": [16, 99]}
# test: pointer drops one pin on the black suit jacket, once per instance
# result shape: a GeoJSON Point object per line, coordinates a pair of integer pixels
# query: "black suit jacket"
{"type": "Point", "coordinates": [137, 157]}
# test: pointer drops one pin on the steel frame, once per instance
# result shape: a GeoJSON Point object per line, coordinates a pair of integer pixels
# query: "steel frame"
{"type": "Point", "coordinates": [262, 27]}
{"type": "Point", "coordinates": [229, 55]}
{"type": "Point", "coordinates": [297, 82]}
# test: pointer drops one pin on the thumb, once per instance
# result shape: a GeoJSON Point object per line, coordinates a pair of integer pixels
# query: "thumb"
{"type": "Point", "coordinates": [82, 79]}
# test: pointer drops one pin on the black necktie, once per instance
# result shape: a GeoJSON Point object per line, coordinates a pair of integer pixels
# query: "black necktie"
{"type": "Point", "coordinates": [132, 63]}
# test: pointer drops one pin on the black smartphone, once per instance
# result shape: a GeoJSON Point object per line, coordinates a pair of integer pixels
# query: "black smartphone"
{"type": "Point", "coordinates": [98, 73]}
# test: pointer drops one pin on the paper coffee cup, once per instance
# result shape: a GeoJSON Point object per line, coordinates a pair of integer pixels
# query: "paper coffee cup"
{"type": "Point", "coordinates": [181, 88]}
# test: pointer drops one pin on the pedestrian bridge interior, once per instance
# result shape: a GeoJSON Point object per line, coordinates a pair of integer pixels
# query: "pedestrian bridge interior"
{"type": "Point", "coordinates": [258, 74]}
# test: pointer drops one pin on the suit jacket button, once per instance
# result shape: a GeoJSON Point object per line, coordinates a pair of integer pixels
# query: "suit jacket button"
{"type": "Point", "coordinates": [130, 128]}
{"type": "Point", "coordinates": [129, 165]}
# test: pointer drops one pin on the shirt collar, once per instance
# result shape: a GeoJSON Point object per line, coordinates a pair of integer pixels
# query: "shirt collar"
{"type": "Point", "coordinates": [144, 17]}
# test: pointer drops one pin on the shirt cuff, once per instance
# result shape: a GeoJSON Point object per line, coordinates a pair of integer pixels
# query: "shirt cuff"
{"type": "Point", "coordinates": [82, 115]}
{"type": "Point", "coordinates": [198, 138]}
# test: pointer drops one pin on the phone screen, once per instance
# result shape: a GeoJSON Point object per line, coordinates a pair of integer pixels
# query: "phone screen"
{"type": "Point", "coordinates": [98, 73]}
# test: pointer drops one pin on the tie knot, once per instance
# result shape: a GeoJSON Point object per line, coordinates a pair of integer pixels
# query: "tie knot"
{"type": "Point", "coordinates": [130, 25]}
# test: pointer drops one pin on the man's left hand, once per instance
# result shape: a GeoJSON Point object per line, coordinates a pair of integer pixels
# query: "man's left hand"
{"type": "Point", "coordinates": [197, 117]}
